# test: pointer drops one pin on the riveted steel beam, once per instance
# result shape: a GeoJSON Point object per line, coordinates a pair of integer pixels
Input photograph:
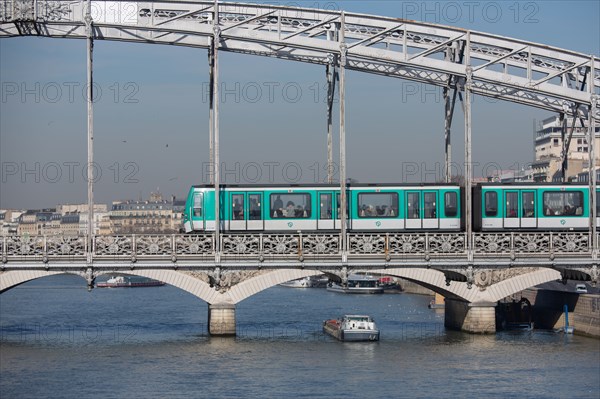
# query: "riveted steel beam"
{"type": "Point", "coordinates": [215, 121]}
{"type": "Point", "coordinates": [342, 76]}
{"type": "Point", "coordinates": [332, 75]}
{"type": "Point", "coordinates": [89, 29]}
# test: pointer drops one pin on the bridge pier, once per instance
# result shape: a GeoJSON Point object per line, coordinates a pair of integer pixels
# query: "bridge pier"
{"type": "Point", "coordinates": [475, 318]}
{"type": "Point", "coordinates": [221, 319]}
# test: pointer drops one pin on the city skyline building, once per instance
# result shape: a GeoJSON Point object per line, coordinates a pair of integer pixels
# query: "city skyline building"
{"type": "Point", "coordinates": [550, 143]}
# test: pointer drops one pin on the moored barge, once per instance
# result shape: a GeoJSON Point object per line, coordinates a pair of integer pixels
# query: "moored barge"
{"type": "Point", "coordinates": [352, 328]}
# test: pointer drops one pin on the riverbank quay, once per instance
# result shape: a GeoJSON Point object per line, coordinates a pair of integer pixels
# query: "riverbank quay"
{"type": "Point", "coordinates": [548, 302]}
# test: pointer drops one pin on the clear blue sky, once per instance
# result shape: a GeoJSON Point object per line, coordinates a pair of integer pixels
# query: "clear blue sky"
{"type": "Point", "coordinates": [151, 121]}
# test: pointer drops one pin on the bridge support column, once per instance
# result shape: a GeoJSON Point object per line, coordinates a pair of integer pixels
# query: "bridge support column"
{"type": "Point", "coordinates": [475, 318]}
{"type": "Point", "coordinates": [221, 319]}
{"type": "Point", "coordinates": [89, 30]}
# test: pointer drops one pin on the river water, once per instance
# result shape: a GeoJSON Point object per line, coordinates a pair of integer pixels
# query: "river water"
{"type": "Point", "coordinates": [58, 340]}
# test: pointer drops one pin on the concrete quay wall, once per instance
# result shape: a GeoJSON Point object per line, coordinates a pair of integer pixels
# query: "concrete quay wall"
{"type": "Point", "coordinates": [548, 310]}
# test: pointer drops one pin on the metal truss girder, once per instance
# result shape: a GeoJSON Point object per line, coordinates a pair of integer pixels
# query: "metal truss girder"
{"type": "Point", "coordinates": [187, 14]}
{"type": "Point", "coordinates": [299, 34]}
{"type": "Point", "coordinates": [438, 47]}
{"type": "Point", "coordinates": [311, 27]}
{"type": "Point", "coordinates": [498, 59]}
{"type": "Point", "coordinates": [370, 40]}
{"type": "Point", "coordinates": [507, 92]}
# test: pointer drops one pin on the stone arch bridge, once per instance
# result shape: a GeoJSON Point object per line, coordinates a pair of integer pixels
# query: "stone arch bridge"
{"type": "Point", "coordinates": [501, 265]}
{"type": "Point", "coordinates": [474, 269]}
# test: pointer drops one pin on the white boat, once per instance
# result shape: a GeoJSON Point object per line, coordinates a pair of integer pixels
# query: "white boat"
{"type": "Point", "coordinates": [299, 283]}
{"type": "Point", "coordinates": [307, 282]}
{"type": "Point", "coordinates": [352, 328]}
{"type": "Point", "coordinates": [358, 284]}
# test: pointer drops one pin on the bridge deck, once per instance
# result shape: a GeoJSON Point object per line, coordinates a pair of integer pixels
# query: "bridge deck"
{"type": "Point", "coordinates": [309, 249]}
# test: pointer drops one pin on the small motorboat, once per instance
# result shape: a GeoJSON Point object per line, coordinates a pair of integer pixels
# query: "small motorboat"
{"type": "Point", "coordinates": [299, 283]}
{"type": "Point", "coordinates": [307, 282]}
{"type": "Point", "coordinates": [352, 328]}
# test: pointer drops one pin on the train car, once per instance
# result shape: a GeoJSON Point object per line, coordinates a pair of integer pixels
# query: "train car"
{"type": "Point", "coordinates": [292, 208]}
{"type": "Point", "coordinates": [376, 207]}
{"type": "Point", "coordinates": [531, 206]}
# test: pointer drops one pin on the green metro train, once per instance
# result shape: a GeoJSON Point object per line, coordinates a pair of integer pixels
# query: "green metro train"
{"type": "Point", "coordinates": [389, 207]}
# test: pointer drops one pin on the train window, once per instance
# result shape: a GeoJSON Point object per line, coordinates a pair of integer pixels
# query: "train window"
{"type": "Point", "coordinates": [237, 206]}
{"type": "Point", "coordinates": [326, 207]}
{"type": "Point", "coordinates": [337, 198]}
{"type": "Point", "coordinates": [286, 205]}
{"type": "Point", "coordinates": [430, 205]}
{"type": "Point", "coordinates": [512, 204]}
{"type": "Point", "coordinates": [563, 203]}
{"type": "Point", "coordinates": [197, 209]}
{"type": "Point", "coordinates": [413, 206]}
{"type": "Point", "coordinates": [597, 204]}
{"type": "Point", "coordinates": [528, 201]}
{"type": "Point", "coordinates": [377, 205]}
{"type": "Point", "coordinates": [255, 206]}
{"type": "Point", "coordinates": [451, 206]}
{"type": "Point", "coordinates": [491, 203]}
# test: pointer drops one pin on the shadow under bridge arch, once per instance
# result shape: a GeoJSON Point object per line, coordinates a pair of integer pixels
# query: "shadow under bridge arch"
{"type": "Point", "coordinates": [191, 283]}
{"type": "Point", "coordinates": [13, 278]}
{"type": "Point", "coordinates": [265, 280]}
{"type": "Point", "coordinates": [432, 279]}
{"type": "Point", "coordinates": [507, 286]}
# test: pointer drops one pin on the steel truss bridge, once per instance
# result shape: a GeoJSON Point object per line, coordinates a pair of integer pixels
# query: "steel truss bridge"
{"type": "Point", "coordinates": [509, 69]}
{"type": "Point", "coordinates": [461, 62]}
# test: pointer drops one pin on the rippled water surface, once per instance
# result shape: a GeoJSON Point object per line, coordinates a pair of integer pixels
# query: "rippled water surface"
{"type": "Point", "coordinates": [58, 340]}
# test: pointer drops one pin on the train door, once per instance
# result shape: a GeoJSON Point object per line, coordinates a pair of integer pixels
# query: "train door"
{"type": "Point", "coordinates": [511, 209]}
{"type": "Point", "coordinates": [197, 216]}
{"type": "Point", "coordinates": [528, 205]}
{"type": "Point", "coordinates": [237, 211]}
{"type": "Point", "coordinates": [430, 210]}
{"type": "Point", "coordinates": [413, 210]}
{"type": "Point", "coordinates": [325, 220]}
{"type": "Point", "coordinates": [254, 210]}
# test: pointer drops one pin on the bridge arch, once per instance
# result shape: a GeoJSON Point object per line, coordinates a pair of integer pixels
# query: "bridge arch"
{"type": "Point", "coordinates": [259, 283]}
{"type": "Point", "coordinates": [436, 281]}
{"type": "Point", "coordinates": [432, 279]}
{"type": "Point", "coordinates": [183, 281]}
{"type": "Point", "coordinates": [519, 283]}
{"type": "Point", "coordinates": [14, 278]}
